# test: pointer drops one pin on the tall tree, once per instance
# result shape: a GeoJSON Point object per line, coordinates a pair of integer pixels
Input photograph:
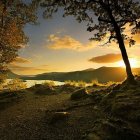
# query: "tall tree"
{"type": "Point", "coordinates": [14, 15]}
{"type": "Point", "coordinates": [103, 16]}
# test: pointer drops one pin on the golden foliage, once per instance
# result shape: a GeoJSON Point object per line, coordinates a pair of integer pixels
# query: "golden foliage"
{"type": "Point", "coordinates": [13, 17]}
{"type": "Point", "coordinates": [15, 85]}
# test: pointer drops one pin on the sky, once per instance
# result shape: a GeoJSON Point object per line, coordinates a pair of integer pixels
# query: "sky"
{"type": "Point", "coordinates": [62, 44]}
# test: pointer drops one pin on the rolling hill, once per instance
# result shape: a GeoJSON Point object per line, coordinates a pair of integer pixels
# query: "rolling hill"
{"type": "Point", "coordinates": [102, 74]}
{"type": "Point", "coordinates": [12, 75]}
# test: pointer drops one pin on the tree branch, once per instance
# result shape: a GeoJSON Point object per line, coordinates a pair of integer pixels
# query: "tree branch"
{"type": "Point", "coordinates": [109, 40]}
{"type": "Point", "coordinates": [104, 20]}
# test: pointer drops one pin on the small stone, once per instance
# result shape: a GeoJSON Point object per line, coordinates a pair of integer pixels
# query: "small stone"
{"type": "Point", "coordinates": [93, 136]}
{"type": "Point", "coordinates": [54, 117]}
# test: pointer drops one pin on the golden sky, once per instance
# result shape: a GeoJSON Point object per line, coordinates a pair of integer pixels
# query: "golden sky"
{"type": "Point", "coordinates": [62, 44]}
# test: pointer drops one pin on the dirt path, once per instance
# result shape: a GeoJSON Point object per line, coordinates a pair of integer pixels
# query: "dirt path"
{"type": "Point", "coordinates": [97, 117]}
{"type": "Point", "coordinates": [26, 119]}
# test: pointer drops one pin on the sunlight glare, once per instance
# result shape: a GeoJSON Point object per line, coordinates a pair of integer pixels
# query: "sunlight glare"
{"type": "Point", "coordinates": [133, 63]}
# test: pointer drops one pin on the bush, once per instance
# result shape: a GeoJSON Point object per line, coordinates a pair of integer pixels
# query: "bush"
{"type": "Point", "coordinates": [2, 80]}
{"type": "Point", "coordinates": [50, 84]}
{"type": "Point", "coordinates": [15, 85]}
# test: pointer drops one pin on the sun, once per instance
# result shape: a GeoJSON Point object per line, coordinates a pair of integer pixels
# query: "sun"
{"type": "Point", "coordinates": [133, 63]}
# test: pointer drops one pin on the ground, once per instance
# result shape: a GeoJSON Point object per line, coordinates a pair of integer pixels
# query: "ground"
{"type": "Point", "coordinates": [32, 117]}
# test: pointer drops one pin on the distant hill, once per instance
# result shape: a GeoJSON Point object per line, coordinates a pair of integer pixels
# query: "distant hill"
{"type": "Point", "coordinates": [12, 75]}
{"type": "Point", "coordinates": [103, 74]}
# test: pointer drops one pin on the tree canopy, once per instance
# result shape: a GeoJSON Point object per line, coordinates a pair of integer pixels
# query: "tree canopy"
{"type": "Point", "coordinates": [14, 15]}
{"type": "Point", "coordinates": [104, 17]}
{"type": "Point", "coordinates": [96, 12]}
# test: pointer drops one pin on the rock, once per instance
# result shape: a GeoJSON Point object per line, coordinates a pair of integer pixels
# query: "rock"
{"type": "Point", "coordinates": [137, 78]}
{"type": "Point", "coordinates": [93, 136]}
{"type": "Point", "coordinates": [97, 95]}
{"type": "Point", "coordinates": [79, 94]}
{"type": "Point", "coordinates": [68, 88]}
{"type": "Point", "coordinates": [112, 130]}
{"type": "Point", "coordinates": [54, 117]}
{"type": "Point", "coordinates": [42, 89]}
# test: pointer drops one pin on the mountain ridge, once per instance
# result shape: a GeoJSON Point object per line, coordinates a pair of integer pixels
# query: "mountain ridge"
{"type": "Point", "coordinates": [102, 74]}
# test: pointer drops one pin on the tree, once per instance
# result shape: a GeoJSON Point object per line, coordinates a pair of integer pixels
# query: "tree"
{"type": "Point", "coordinates": [103, 16]}
{"type": "Point", "coordinates": [14, 15]}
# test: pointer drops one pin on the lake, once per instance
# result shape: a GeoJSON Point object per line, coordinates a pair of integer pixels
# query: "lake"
{"type": "Point", "coordinates": [33, 82]}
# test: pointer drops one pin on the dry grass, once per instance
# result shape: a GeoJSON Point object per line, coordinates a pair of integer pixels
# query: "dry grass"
{"type": "Point", "coordinates": [15, 85]}
{"type": "Point", "coordinates": [50, 84]}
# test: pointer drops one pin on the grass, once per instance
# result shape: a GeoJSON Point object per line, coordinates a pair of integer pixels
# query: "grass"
{"type": "Point", "coordinates": [110, 83]}
{"type": "Point", "coordinates": [93, 83]}
{"type": "Point", "coordinates": [75, 83]}
{"type": "Point", "coordinates": [50, 84]}
{"type": "Point", "coordinates": [70, 83]}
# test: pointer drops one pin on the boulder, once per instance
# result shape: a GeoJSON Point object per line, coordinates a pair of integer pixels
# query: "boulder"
{"type": "Point", "coordinates": [79, 94]}
{"type": "Point", "coordinates": [42, 89]}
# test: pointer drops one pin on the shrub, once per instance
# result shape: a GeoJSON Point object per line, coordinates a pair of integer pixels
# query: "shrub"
{"type": "Point", "coordinates": [15, 85]}
{"type": "Point", "coordinates": [50, 84]}
{"type": "Point", "coordinates": [3, 77]}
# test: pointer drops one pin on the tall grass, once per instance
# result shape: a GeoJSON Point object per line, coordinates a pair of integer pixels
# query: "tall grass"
{"type": "Point", "coordinates": [70, 83]}
{"type": "Point", "coordinates": [50, 84]}
{"type": "Point", "coordinates": [81, 84]}
{"type": "Point", "coordinates": [96, 83]}
{"type": "Point", "coordinates": [110, 83]}
{"type": "Point", "coordinates": [75, 83]}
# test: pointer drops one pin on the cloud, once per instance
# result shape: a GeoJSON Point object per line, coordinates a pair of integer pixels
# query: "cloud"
{"type": "Point", "coordinates": [136, 37]}
{"type": "Point", "coordinates": [28, 70]}
{"type": "Point", "coordinates": [21, 60]}
{"type": "Point", "coordinates": [108, 58]}
{"type": "Point", "coordinates": [57, 42]}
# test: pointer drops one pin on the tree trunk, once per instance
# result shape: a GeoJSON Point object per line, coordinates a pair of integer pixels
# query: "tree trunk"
{"type": "Point", "coordinates": [130, 77]}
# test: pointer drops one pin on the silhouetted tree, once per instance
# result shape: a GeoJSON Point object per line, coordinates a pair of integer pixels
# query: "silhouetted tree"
{"type": "Point", "coordinates": [14, 15]}
{"type": "Point", "coordinates": [103, 16]}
